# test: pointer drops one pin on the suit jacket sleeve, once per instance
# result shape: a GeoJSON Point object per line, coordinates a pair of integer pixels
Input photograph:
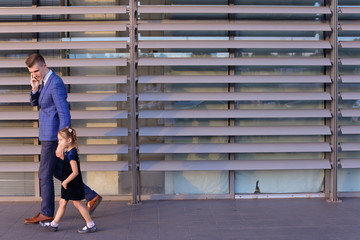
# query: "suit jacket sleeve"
{"type": "Point", "coordinates": [59, 96]}
{"type": "Point", "coordinates": [34, 98]}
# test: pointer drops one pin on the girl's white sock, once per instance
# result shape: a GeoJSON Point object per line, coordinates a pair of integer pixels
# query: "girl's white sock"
{"type": "Point", "coordinates": [90, 224]}
{"type": "Point", "coordinates": [54, 224]}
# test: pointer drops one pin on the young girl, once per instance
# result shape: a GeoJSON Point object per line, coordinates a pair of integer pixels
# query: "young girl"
{"type": "Point", "coordinates": [72, 187]}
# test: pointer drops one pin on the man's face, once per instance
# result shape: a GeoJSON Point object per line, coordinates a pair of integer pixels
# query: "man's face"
{"type": "Point", "coordinates": [38, 71]}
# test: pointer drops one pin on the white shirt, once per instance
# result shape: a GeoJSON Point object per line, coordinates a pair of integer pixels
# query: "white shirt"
{"type": "Point", "coordinates": [47, 77]}
{"type": "Point", "coordinates": [44, 80]}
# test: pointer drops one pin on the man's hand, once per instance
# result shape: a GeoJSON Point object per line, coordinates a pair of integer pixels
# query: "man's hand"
{"type": "Point", "coordinates": [60, 152]}
{"type": "Point", "coordinates": [34, 83]}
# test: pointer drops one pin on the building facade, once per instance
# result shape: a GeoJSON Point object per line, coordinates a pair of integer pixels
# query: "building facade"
{"type": "Point", "coordinates": [190, 99]}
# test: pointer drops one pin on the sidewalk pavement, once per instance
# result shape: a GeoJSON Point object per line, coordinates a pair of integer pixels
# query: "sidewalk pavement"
{"type": "Point", "coordinates": [266, 219]}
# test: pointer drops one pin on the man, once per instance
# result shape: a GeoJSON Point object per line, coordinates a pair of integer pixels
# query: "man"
{"type": "Point", "coordinates": [49, 93]}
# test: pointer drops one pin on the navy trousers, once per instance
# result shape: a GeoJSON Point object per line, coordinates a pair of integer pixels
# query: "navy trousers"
{"type": "Point", "coordinates": [51, 166]}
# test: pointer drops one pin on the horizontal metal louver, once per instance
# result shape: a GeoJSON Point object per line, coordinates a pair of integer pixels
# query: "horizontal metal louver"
{"type": "Point", "coordinates": [232, 79]}
{"type": "Point", "coordinates": [206, 165]}
{"type": "Point", "coordinates": [235, 131]}
{"type": "Point", "coordinates": [350, 78]}
{"type": "Point", "coordinates": [350, 95]}
{"type": "Point", "coordinates": [81, 132]}
{"type": "Point", "coordinates": [350, 147]}
{"type": "Point", "coordinates": [350, 163]}
{"type": "Point", "coordinates": [349, 10]}
{"type": "Point", "coordinates": [85, 166]}
{"type": "Point", "coordinates": [233, 26]}
{"type": "Point", "coordinates": [61, 45]}
{"type": "Point", "coordinates": [350, 129]}
{"type": "Point", "coordinates": [72, 97]}
{"type": "Point", "coordinates": [350, 112]}
{"type": "Point", "coordinates": [69, 80]}
{"type": "Point", "coordinates": [310, 113]}
{"type": "Point", "coordinates": [233, 9]}
{"type": "Point", "coordinates": [32, 115]}
{"type": "Point", "coordinates": [279, 96]}
{"type": "Point", "coordinates": [87, 62]}
{"type": "Point", "coordinates": [235, 148]}
{"type": "Point", "coordinates": [349, 61]}
{"type": "Point", "coordinates": [234, 62]}
{"type": "Point", "coordinates": [75, 26]}
{"type": "Point", "coordinates": [85, 149]}
{"type": "Point", "coordinates": [62, 10]}
{"type": "Point", "coordinates": [293, 44]}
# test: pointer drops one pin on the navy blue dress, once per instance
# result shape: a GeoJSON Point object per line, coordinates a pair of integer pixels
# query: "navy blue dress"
{"type": "Point", "coordinates": [75, 188]}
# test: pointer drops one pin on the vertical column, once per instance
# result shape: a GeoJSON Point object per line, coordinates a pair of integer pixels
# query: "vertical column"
{"type": "Point", "coordinates": [35, 37]}
{"type": "Point", "coordinates": [134, 105]}
{"type": "Point", "coordinates": [334, 104]}
{"type": "Point", "coordinates": [231, 106]}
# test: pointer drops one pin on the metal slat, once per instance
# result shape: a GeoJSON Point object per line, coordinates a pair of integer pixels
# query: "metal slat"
{"type": "Point", "coordinates": [292, 44]}
{"type": "Point", "coordinates": [62, 45]}
{"type": "Point", "coordinates": [350, 78]}
{"type": "Point", "coordinates": [234, 9]}
{"type": "Point", "coordinates": [350, 163]}
{"type": "Point", "coordinates": [34, 115]}
{"type": "Point", "coordinates": [349, 25]}
{"type": "Point", "coordinates": [350, 112]}
{"type": "Point", "coordinates": [112, 114]}
{"type": "Point", "coordinates": [5, 81]}
{"type": "Point", "coordinates": [201, 96]}
{"type": "Point", "coordinates": [255, 61]}
{"type": "Point", "coordinates": [86, 62]}
{"type": "Point", "coordinates": [117, 166]}
{"type": "Point", "coordinates": [347, 10]}
{"type": "Point", "coordinates": [349, 147]}
{"type": "Point", "coordinates": [97, 97]}
{"type": "Point", "coordinates": [212, 165]}
{"type": "Point", "coordinates": [68, 26]}
{"type": "Point", "coordinates": [85, 149]}
{"type": "Point", "coordinates": [53, 10]}
{"type": "Point", "coordinates": [350, 61]}
{"type": "Point", "coordinates": [72, 97]}
{"type": "Point", "coordinates": [173, 114]}
{"type": "Point", "coordinates": [81, 132]}
{"type": "Point", "coordinates": [349, 44]}
{"type": "Point", "coordinates": [350, 129]}
{"type": "Point", "coordinates": [218, 25]}
{"type": "Point", "coordinates": [350, 95]}
{"type": "Point", "coordinates": [233, 79]}
{"type": "Point", "coordinates": [85, 166]}
{"type": "Point", "coordinates": [234, 148]}
{"type": "Point", "coordinates": [234, 131]}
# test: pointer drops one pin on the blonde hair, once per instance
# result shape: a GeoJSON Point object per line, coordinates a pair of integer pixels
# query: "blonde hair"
{"type": "Point", "coordinates": [70, 133]}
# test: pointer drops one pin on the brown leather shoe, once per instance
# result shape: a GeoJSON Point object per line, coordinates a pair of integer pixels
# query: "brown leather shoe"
{"type": "Point", "coordinates": [38, 218]}
{"type": "Point", "coordinates": [93, 203]}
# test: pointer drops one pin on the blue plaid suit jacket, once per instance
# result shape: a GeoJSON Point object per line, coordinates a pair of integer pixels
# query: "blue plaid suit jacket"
{"type": "Point", "coordinates": [54, 111]}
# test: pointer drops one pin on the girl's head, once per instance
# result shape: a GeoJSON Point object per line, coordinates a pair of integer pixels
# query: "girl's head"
{"type": "Point", "coordinates": [67, 138]}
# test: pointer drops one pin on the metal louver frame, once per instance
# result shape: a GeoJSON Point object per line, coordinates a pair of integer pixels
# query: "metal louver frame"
{"type": "Point", "coordinates": [62, 26]}
{"type": "Point", "coordinates": [328, 24]}
{"type": "Point", "coordinates": [164, 26]}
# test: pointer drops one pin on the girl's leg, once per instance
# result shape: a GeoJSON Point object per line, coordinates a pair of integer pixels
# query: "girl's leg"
{"type": "Point", "coordinates": [53, 226]}
{"type": "Point", "coordinates": [90, 225]}
{"type": "Point", "coordinates": [61, 210]}
{"type": "Point", "coordinates": [83, 211]}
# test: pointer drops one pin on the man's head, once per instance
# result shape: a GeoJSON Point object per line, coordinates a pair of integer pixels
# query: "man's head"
{"type": "Point", "coordinates": [37, 66]}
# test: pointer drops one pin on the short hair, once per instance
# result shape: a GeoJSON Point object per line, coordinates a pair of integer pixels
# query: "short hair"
{"type": "Point", "coordinates": [34, 59]}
